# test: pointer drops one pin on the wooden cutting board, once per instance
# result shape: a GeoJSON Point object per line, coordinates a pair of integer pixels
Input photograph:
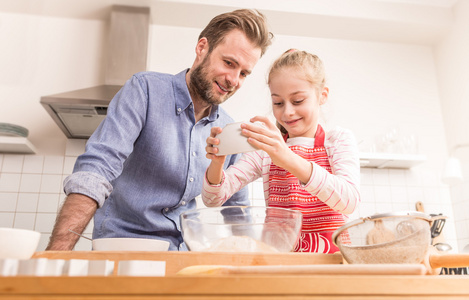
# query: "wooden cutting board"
{"type": "Point", "coordinates": [326, 269]}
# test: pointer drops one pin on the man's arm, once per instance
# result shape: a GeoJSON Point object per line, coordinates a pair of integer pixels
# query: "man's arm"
{"type": "Point", "coordinates": [75, 214]}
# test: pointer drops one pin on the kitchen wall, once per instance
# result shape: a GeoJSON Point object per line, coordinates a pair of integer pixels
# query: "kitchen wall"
{"type": "Point", "coordinates": [375, 87]}
{"type": "Point", "coordinates": [452, 62]}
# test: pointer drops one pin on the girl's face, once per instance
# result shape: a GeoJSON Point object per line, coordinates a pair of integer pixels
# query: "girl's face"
{"type": "Point", "coordinates": [295, 102]}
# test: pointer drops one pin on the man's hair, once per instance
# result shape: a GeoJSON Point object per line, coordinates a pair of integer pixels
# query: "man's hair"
{"type": "Point", "coordinates": [251, 22]}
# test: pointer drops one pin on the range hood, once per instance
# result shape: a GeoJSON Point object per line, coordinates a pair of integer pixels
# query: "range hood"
{"type": "Point", "coordinates": [78, 113]}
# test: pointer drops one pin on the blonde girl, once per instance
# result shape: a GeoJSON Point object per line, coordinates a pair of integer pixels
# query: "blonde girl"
{"type": "Point", "coordinates": [302, 166]}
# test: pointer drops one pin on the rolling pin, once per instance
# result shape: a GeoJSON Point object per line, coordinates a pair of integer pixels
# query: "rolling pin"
{"type": "Point", "coordinates": [322, 269]}
{"type": "Point", "coordinates": [434, 261]}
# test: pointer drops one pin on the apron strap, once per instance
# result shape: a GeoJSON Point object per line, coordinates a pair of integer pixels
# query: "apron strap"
{"type": "Point", "coordinates": [318, 138]}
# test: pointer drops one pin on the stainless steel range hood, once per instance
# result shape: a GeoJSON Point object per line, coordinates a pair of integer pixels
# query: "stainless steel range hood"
{"type": "Point", "coordinates": [79, 112]}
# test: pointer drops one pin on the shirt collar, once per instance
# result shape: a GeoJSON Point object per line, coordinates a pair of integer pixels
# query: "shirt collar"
{"type": "Point", "coordinates": [183, 97]}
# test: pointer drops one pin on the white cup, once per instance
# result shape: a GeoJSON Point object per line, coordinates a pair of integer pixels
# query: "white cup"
{"type": "Point", "coordinates": [232, 141]}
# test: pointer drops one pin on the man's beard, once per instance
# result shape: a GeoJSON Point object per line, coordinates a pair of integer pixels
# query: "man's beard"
{"type": "Point", "coordinates": [202, 87]}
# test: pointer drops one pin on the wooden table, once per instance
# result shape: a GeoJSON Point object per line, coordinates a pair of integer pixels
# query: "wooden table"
{"type": "Point", "coordinates": [229, 286]}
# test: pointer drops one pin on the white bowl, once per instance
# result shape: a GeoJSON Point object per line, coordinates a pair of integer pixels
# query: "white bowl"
{"type": "Point", "coordinates": [18, 243]}
{"type": "Point", "coordinates": [232, 141]}
{"type": "Point", "coordinates": [129, 244]}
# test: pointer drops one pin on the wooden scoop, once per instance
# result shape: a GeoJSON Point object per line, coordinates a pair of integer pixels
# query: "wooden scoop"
{"type": "Point", "coordinates": [379, 234]}
{"type": "Point", "coordinates": [323, 269]}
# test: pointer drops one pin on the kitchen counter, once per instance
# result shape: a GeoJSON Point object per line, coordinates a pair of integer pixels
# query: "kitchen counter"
{"type": "Point", "coordinates": [230, 286]}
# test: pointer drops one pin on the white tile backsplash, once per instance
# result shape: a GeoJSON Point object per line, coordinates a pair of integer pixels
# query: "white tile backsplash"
{"type": "Point", "coordinates": [384, 207]}
{"type": "Point", "coordinates": [430, 179]}
{"type": "Point", "coordinates": [53, 164]}
{"type": "Point", "coordinates": [31, 193]}
{"type": "Point", "coordinates": [413, 178]}
{"type": "Point", "coordinates": [27, 202]}
{"type": "Point", "coordinates": [51, 183]}
{"type": "Point", "coordinates": [48, 203]}
{"type": "Point", "coordinates": [397, 177]}
{"type": "Point", "coordinates": [366, 176]}
{"type": "Point", "coordinates": [45, 222]}
{"type": "Point", "coordinates": [382, 194]}
{"type": "Point", "coordinates": [24, 220]}
{"type": "Point", "coordinates": [9, 182]}
{"type": "Point", "coordinates": [380, 176]}
{"type": "Point", "coordinates": [367, 194]}
{"type": "Point", "coordinates": [7, 219]}
{"type": "Point", "coordinates": [43, 241]}
{"type": "Point", "coordinates": [401, 206]}
{"type": "Point", "coordinates": [367, 209]}
{"type": "Point", "coordinates": [33, 164]}
{"type": "Point", "coordinates": [12, 163]}
{"type": "Point", "coordinates": [69, 163]}
{"type": "Point", "coordinates": [30, 183]}
{"type": "Point", "coordinates": [415, 194]}
{"type": "Point", "coordinates": [399, 194]}
{"type": "Point", "coordinates": [8, 202]}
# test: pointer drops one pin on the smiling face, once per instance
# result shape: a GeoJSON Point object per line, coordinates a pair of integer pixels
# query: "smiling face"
{"type": "Point", "coordinates": [296, 102]}
{"type": "Point", "coordinates": [218, 74]}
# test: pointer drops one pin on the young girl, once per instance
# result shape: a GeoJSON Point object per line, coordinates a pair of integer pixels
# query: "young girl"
{"type": "Point", "coordinates": [302, 166]}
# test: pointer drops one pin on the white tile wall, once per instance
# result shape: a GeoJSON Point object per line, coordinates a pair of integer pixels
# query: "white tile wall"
{"type": "Point", "coordinates": [31, 194]}
{"type": "Point", "coordinates": [31, 190]}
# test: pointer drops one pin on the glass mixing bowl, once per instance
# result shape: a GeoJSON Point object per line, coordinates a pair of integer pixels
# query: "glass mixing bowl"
{"type": "Point", "coordinates": [241, 229]}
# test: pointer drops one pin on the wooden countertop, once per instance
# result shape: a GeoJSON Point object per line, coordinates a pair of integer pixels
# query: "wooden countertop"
{"type": "Point", "coordinates": [230, 286]}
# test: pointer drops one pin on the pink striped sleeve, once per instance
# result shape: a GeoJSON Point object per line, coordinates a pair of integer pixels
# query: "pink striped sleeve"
{"type": "Point", "coordinates": [339, 190]}
{"type": "Point", "coordinates": [244, 171]}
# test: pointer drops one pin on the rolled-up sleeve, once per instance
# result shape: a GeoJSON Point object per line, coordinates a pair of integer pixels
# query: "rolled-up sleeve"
{"type": "Point", "coordinates": [89, 184]}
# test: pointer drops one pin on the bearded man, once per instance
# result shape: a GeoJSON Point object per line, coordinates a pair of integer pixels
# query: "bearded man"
{"type": "Point", "coordinates": [144, 164]}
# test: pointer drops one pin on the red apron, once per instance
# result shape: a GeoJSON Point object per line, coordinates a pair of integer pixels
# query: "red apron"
{"type": "Point", "coordinates": [319, 220]}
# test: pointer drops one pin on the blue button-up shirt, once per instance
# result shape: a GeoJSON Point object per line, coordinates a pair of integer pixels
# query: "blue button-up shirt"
{"type": "Point", "coordinates": [145, 163]}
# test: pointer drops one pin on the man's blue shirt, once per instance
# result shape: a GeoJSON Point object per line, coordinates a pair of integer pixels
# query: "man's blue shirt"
{"type": "Point", "coordinates": [145, 163]}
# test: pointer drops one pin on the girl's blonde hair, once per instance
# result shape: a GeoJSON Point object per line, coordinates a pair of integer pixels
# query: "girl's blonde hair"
{"type": "Point", "coordinates": [308, 64]}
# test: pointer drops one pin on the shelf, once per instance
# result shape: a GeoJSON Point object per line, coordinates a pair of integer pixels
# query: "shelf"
{"type": "Point", "coordinates": [16, 145]}
{"type": "Point", "coordinates": [390, 160]}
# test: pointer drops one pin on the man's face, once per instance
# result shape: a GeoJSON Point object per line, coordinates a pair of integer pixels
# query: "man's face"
{"type": "Point", "coordinates": [222, 72]}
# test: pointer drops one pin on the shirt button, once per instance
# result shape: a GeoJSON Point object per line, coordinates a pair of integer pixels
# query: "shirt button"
{"type": "Point", "coordinates": [179, 109]}
{"type": "Point", "coordinates": [191, 179]}
{"type": "Point", "coordinates": [183, 202]}
{"type": "Point", "coordinates": [166, 209]}
{"type": "Point", "coordinates": [193, 153]}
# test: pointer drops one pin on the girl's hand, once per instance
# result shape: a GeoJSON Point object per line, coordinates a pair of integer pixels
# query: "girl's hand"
{"type": "Point", "coordinates": [215, 169]}
{"type": "Point", "coordinates": [268, 138]}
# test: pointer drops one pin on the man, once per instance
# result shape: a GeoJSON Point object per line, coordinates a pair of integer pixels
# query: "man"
{"type": "Point", "coordinates": [144, 164]}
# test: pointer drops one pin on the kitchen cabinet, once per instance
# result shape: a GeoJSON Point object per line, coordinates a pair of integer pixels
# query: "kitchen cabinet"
{"type": "Point", "coordinates": [13, 144]}
{"type": "Point", "coordinates": [260, 286]}
{"type": "Point", "coordinates": [390, 160]}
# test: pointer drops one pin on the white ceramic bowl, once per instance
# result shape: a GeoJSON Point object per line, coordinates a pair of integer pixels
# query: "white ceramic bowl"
{"type": "Point", "coordinates": [18, 243]}
{"type": "Point", "coordinates": [232, 141]}
{"type": "Point", "coordinates": [129, 244]}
